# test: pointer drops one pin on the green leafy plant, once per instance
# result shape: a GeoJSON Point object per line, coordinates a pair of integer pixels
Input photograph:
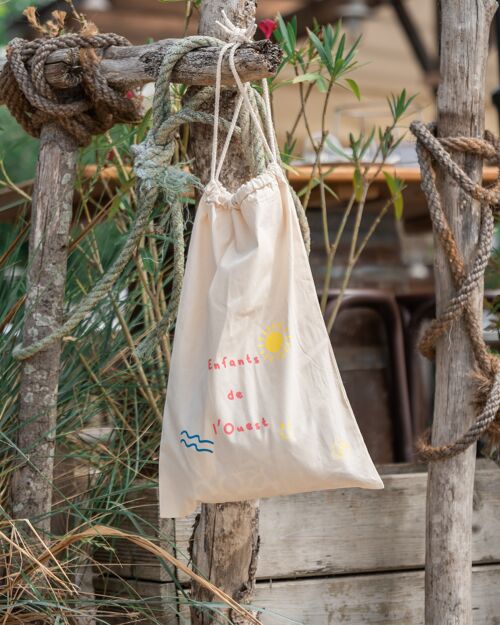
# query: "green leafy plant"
{"type": "Point", "coordinates": [323, 62]}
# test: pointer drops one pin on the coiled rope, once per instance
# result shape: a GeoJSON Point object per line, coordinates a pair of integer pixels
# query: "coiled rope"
{"type": "Point", "coordinates": [33, 102]}
{"type": "Point", "coordinates": [433, 152]}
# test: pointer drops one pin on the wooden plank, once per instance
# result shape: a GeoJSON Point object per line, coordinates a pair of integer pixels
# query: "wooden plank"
{"type": "Point", "coordinates": [379, 599]}
{"type": "Point", "coordinates": [347, 531]}
{"type": "Point", "coordinates": [387, 599]}
{"type": "Point", "coordinates": [332, 532]}
{"type": "Point", "coordinates": [344, 173]}
{"type": "Point", "coordinates": [340, 180]}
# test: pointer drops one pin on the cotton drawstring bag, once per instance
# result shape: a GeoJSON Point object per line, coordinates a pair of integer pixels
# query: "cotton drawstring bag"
{"type": "Point", "coordinates": [255, 405]}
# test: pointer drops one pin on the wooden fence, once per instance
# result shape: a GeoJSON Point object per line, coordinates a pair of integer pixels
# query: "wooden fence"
{"type": "Point", "coordinates": [346, 557]}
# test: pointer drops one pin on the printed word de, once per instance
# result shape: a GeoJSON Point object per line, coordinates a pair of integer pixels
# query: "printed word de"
{"type": "Point", "coordinates": [232, 395]}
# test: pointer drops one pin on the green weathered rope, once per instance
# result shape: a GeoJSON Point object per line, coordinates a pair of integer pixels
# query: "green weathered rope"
{"type": "Point", "coordinates": [147, 345]}
{"type": "Point", "coordinates": [153, 158]}
{"type": "Point", "coordinates": [158, 179]}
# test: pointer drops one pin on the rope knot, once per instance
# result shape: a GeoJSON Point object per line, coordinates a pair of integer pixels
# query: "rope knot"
{"type": "Point", "coordinates": [91, 109]}
{"type": "Point", "coordinates": [431, 153]}
{"type": "Point", "coordinates": [236, 33]}
{"type": "Point", "coordinates": [149, 161]}
{"type": "Point", "coordinates": [152, 164]}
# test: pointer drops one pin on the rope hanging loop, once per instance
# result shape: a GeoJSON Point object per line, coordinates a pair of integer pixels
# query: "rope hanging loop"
{"type": "Point", "coordinates": [434, 153]}
{"type": "Point", "coordinates": [157, 179]}
{"type": "Point", "coordinates": [95, 107]}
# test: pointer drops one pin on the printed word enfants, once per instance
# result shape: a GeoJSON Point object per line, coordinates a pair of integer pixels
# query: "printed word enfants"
{"type": "Point", "coordinates": [226, 362]}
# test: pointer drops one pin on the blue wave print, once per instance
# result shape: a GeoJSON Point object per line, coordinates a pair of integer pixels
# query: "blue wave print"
{"type": "Point", "coordinates": [194, 437]}
{"type": "Point", "coordinates": [200, 440]}
{"type": "Point", "coordinates": [196, 446]}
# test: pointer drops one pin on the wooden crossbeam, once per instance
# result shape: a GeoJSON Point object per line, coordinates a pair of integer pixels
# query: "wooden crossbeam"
{"type": "Point", "coordinates": [137, 65]}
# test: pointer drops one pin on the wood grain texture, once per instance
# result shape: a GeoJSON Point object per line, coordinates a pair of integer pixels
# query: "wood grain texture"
{"type": "Point", "coordinates": [52, 210]}
{"type": "Point", "coordinates": [350, 531]}
{"type": "Point", "coordinates": [135, 65]}
{"type": "Point", "coordinates": [336, 532]}
{"type": "Point", "coordinates": [387, 599]}
{"type": "Point", "coordinates": [383, 599]}
{"type": "Point", "coordinates": [465, 27]}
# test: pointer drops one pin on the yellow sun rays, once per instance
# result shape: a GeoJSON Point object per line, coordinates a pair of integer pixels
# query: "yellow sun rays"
{"type": "Point", "coordinates": [274, 342]}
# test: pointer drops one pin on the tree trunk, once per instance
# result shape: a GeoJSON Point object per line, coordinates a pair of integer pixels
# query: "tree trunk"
{"type": "Point", "coordinates": [464, 46]}
{"type": "Point", "coordinates": [225, 541]}
{"type": "Point", "coordinates": [51, 214]}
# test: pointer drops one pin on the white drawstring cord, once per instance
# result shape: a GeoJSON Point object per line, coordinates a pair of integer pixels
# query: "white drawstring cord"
{"type": "Point", "coordinates": [269, 118]}
{"type": "Point", "coordinates": [237, 36]}
{"type": "Point", "coordinates": [271, 151]}
{"type": "Point", "coordinates": [229, 135]}
{"type": "Point", "coordinates": [218, 76]}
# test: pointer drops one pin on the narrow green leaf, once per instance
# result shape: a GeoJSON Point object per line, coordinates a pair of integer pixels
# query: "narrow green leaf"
{"type": "Point", "coordinates": [358, 184]}
{"type": "Point", "coordinates": [328, 36]}
{"type": "Point", "coordinates": [321, 83]}
{"type": "Point", "coordinates": [353, 85]}
{"type": "Point", "coordinates": [340, 49]}
{"type": "Point", "coordinates": [392, 183]}
{"type": "Point", "coordinates": [395, 187]}
{"type": "Point", "coordinates": [309, 77]}
{"type": "Point", "coordinates": [292, 34]}
{"type": "Point", "coordinates": [398, 206]}
{"type": "Point", "coordinates": [320, 50]}
{"type": "Point", "coordinates": [282, 36]}
{"type": "Point", "coordinates": [367, 143]}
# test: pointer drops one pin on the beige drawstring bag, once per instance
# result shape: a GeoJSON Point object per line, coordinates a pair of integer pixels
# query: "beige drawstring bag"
{"type": "Point", "coordinates": [255, 405]}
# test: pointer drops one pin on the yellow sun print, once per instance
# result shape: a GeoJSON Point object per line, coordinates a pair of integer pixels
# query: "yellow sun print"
{"type": "Point", "coordinates": [274, 342]}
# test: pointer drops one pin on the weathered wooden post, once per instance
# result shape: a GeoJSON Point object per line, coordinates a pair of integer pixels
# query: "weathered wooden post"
{"type": "Point", "coordinates": [51, 214]}
{"type": "Point", "coordinates": [226, 536]}
{"type": "Point", "coordinates": [31, 493]}
{"type": "Point", "coordinates": [465, 28]}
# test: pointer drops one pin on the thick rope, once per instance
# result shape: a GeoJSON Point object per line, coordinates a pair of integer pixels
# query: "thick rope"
{"type": "Point", "coordinates": [155, 178]}
{"type": "Point", "coordinates": [158, 180]}
{"type": "Point", "coordinates": [34, 102]}
{"type": "Point", "coordinates": [433, 152]}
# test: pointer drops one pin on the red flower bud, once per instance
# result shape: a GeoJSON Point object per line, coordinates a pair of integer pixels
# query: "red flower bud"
{"type": "Point", "coordinates": [130, 95]}
{"type": "Point", "coordinates": [267, 28]}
